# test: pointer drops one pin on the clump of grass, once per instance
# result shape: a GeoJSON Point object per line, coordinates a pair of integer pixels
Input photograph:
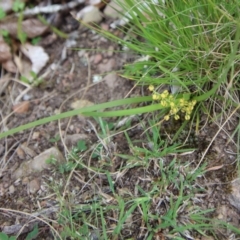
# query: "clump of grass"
{"type": "Point", "coordinates": [191, 47]}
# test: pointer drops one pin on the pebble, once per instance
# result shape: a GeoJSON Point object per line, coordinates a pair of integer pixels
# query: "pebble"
{"type": "Point", "coordinates": [110, 51]}
{"type": "Point", "coordinates": [34, 185]}
{"type": "Point", "coordinates": [113, 10]}
{"type": "Point", "coordinates": [25, 181]}
{"type": "Point", "coordinates": [81, 53]}
{"type": "Point", "coordinates": [105, 26]}
{"type": "Point", "coordinates": [35, 135]}
{"type": "Point", "coordinates": [97, 58]}
{"type": "Point", "coordinates": [38, 163]}
{"type": "Point", "coordinates": [89, 14]}
{"type": "Point", "coordinates": [96, 78]}
{"type": "Point", "coordinates": [20, 153]}
{"type": "Point", "coordinates": [11, 189]}
{"type": "Point", "coordinates": [108, 66]}
{"type": "Point", "coordinates": [234, 196]}
{"type": "Point", "coordinates": [111, 80]}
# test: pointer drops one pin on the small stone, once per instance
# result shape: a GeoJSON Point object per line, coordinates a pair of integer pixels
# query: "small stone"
{"type": "Point", "coordinates": [97, 78]}
{"type": "Point", "coordinates": [97, 58]}
{"type": "Point", "coordinates": [113, 10]}
{"type": "Point", "coordinates": [108, 66]}
{"type": "Point", "coordinates": [35, 135]}
{"type": "Point", "coordinates": [11, 189]}
{"type": "Point", "coordinates": [6, 184]}
{"type": "Point", "coordinates": [20, 153]}
{"type": "Point", "coordinates": [105, 26]}
{"type": "Point", "coordinates": [89, 14]}
{"type": "Point", "coordinates": [34, 186]}
{"type": "Point", "coordinates": [38, 163]}
{"type": "Point", "coordinates": [110, 51]}
{"type": "Point", "coordinates": [25, 181]}
{"type": "Point", "coordinates": [22, 107]}
{"type": "Point", "coordinates": [27, 97]}
{"type": "Point", "coordinates": [111, 80]}
{"type": "Point", "coordinates": [81, 53]}
{"type": "Point", "coordinates": [234, 197]}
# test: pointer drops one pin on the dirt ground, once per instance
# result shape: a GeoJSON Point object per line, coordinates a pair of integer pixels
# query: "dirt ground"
{"type": "Point", "coordinates": [92, 76]}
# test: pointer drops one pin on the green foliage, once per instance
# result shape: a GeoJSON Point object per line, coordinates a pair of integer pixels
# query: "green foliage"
{"type": "Point", "coordinates": [81, 146]}
{"type": "Point", "coordinates": [18, 5]}
{"type": "Point", "coordinates": [36, 40]}
{"type": "Point", "coordinates": [4, 236]}
{"type": "Point", "coordinates": [2, 14]}
{"type": "Point", "coordinates": [34, 80]}
{"type": "Point", "coordinates": [67, 167]}
{"type": "Point", "coordinates": [4, 33]}
{"type": "Point", "coordinates": [55, 139]}
{"type": "Point", "coordinates": [52, 160]}
{"type": "Point", "coordinates": [33, 234]}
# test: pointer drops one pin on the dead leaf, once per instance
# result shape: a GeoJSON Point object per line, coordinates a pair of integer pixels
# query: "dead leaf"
{"type": "Point", "coordinates": [214, 168]}
{"type": "Point", "coordinates": [37, 56]}
{"type": "Point", "coordinates": [9, 66]}
{"type": "Point", "coordinates": [81, 103]}
{"type": "Point", "coordinates": [24, 66]}
{"type": "Point", "coordinates": [31, 27]}
{"type": "Point", "coordinates": [22, 107]}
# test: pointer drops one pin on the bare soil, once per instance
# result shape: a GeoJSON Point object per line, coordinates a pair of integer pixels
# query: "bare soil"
{"type": "Point", "coordinates": [70, 80]}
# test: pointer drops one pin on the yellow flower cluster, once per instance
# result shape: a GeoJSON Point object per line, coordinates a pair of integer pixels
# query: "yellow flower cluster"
{"type": "Point", "coordinates": [175, 105]}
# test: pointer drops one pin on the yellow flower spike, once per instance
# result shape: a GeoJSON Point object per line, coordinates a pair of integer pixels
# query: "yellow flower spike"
{"type": "Point", "coordinates": [166, 118]}
{"type": "Point", "coordinates": [194, 102]}
{"type": "Point", "coordinates": [174, 110]}
{"type": "Point", "coordinates": [166, 93]}
{"type": "Point", "coordinates": [187, 117]}
{"type": "Point", "coordinates": [155, 96]}
{"type": "Point", "coordinates": [176, 117]}
{"type": "Point", "coordinates": [163, 103]}
{"type": "Point", "coordinates": [172, 104]}
{"type": "Point", "coordinates": [151, 88]}
{"type": "Point", "coordinates": [182, 102]}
